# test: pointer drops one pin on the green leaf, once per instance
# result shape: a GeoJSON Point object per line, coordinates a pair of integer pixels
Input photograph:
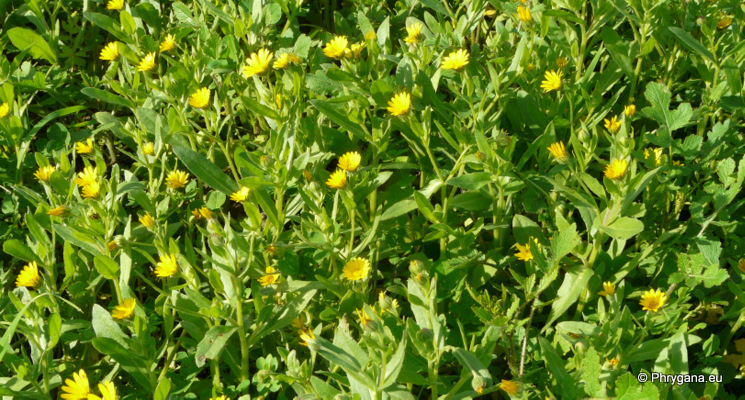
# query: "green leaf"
{"type": "Point", "coordinates": [53, 115]}
{"type": "Point", "coordinates": [564, 242]}
{"type": "Point", "coordinates": [591, 374]}
{"type": "Point", "coordinates": [11, 330]}
{"type": "Point", "coordinates": [128, 23]}
{"type": "Point", "coordinates": [283, 317]}
{"type": "Point", "coordinates": [107, 97]}
{"type": "Point", "coordinates": [691, 43]}
{"type": "Point", "coordinates": [108, 24]}
{"type": "Point", "coordinates": [393, 368]}
{"type": "Point", "coordinates": [259, 108]}
{"type": "Point", "coordinates": [213, 343]}
{"type": "Point", "coordinates": [618, 49]}
{"type": "Point", "coordinates": [556, 366]}
{"type": "Point", "coordinates": [471, 201]}
{"type": "Point", "coordinates": [105, 326]}
{"type": "Point", "coordinates": [162, 390]}
{"type": "Point", "coordinates": [76, 238]}
{"type": "Point", "coordinates": [398, 209]}
{"type": "Point", "coordinates": [425, 207]}
{"type": "Point", "coordinates": [575, 281]}
{"type": "Point", "coordinates": [106, 266]}
{"type": "Point", "coordinates": [623, 228]}
{"type": "Point", "coordinates": [28, 40]}
{"type": "Point", "coordinates": [17, 249]}
{"type": "Point", "coordinates": [130, 362]}
{"type": "Point", "coordinates": [206, 171]}
{"type": "Point", "coordinates": [473, 364]}
{"type": "Point", "coordinates": [471, 181]}
{"type": "Point", "coordinates": [339, 118]}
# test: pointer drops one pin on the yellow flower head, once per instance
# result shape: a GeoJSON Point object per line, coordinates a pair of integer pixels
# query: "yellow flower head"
{"type": "Point", "coordinates": [294, 59]}
{"type": "Point", "coordinates": [629, 110]}
{"type": "Point", "coordinates": [270, 278]}
{"type": "Point", "coordinates": [167, 266]}
{"type": "Point", "coordinates": [44, 173]}
{"type": "Point", "coordinates": [60, 211]}
{"type": "Point", "coordinates": [240, 195]}
{"type": "Point", "coordinates": [337, 180]}
{"type": "Point", "coordinates": [4, 110]}
{"type": "Point", "coordinates": [456, 60]}
{"type": "Point", "coordinates": [509, 387]}
{"type": "Point", "coordinates": [115, 5]}
{"type": "Point", "coordinates": [552, 81]}
{"type": "Point", "coordinates": [356, 269]}
{"type": "Point", "coordinates": [364, 318]}
{"type": "Point", "coordinates": [202, 212]}
{"type": "Point", "coordinates": [657, 155]}
{"type": "Point", "coordinates": [608, 289]}
{"type": "Point", "coordinates": [84, 147]}
{"type": "Point", "coordinates": [147, 63]}
{"type": "Point", "coordinates": [110, 52]}
{"type": "Point", "coordinates": [125, 309]}
{"type": "Point", "coordinates": [307, 336]}
{"type": "Point", "coordinates": [298, 323]}
{"type": "Point", "coordinates": [257, 63]}
{"type": "Point", "coordinates": [200, 98]}
{"type": "Point", "coordinates": [612, 124]}
{"type": "Point", "coordinates": [414, 33]}
{"type": "Point", "coordinates": [724, 22]}
{"type": "Point", "coordinates": [400, 104]}
{"type": "Point", "coordinates": [169, 43]}
{"type": "Point", "coordinates": [87, 177]}
{"type": "Point", "coordinates": [336, 47]}
{"type": "Point", "coordinates": [112, 245]}
{"type": "Point", "coordinates": [653, 300]}
{"type": "Point", "coordinates": [29, 276]}
{"type": "Point", "coordinates": [177, 179]}
{"type": "Point", "coordinates": [147, 220]}
{"type": "Point", "coordinates": [354, 50]}
{"type": "Point", "coordinates": [148, 149]}
{"type": "Point", "coordinates": [613, 361]}
{"type": "Point", "coordinates": [91, 190]}
{"type": "Point", "coordinates": [76, 388]}
{"type": "Point", "coordinates": [523, 13]}
{"type": "Point", "coordinates": [220, 398]}
{"type": "Point", "coordinates": [616, 169]}
{"type": "Point", "coordinates": [282, 61]}
{"type": "Point", "coordinates": [523, 253]}
{"type": "Point", "coordinates": [558, 151]}
{"type": "Point", "coordinates": [350, 161]}
{"type": "Point", "coordinates": [107, 389]}
{"type": "Point", "coordinates": [561, 62]}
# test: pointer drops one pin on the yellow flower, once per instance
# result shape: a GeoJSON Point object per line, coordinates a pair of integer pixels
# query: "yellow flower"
{"type": "Point", "coordinates": [364, 318]}
{"type": "Point", "coordinates": [148, 221]}
{"type": "Point", "coordinates": [612, 124]}
{"type": "Point", "coordinates": [177, 179]}
{"type": "Point", "coordinates": [220, 398]}
{"type": "Point", "coordinates": [29, 276]}
{"type": "Point", "coordinates": [86, 177]}
{"type": "Point", "coordinates": [350, 161]}
{"type": "Point", "coordinates": [112, 245]}
{"type": "Point", "coordinates": [200, 98]}
{"type": "Point", "coordinates": [115, 5]}
{"type": "Point", "coordinates": [60, 211]}
{"type": "Point", "coordinates": [558, 151]}
{"type": "Point", "coordinates": [4, 110]}
{"type": "Point", "coordinates": [741, 265]}
{"type": "Point", "coordinates": [257, 63]}
{"type": "Point", "coordinates": [677, 163]}
{"type": "Point", "coordinates": [509, 387]}
{"type": "Point", "coordinates": [657, 155]}
{"type": "Point", "coordinates": [110, 52]}
{"type": "Point", "coordinates": [414, 33]}
{"type": "Point", "coordinates": [653, 300]}
{"type": "Point", "coordinates": [307, 337]}
{"type": "Point", "coordinates": [337, 180]}
{"type": "Point", "coordinates": [370, 35]}
{"type": "Point", "coordinates": [613, 361]}
{"type": "Point", "coordinates": [202, 212]}
{"type": "Point", "coordinates": [294, 59]}
{"type": "Point", "coordinates": [167, 266]}
{"type": "Point", "coordinates": [456, 60]}
{"type": "Point", "coordinates": [108, 391]}
{"type": "Point", "coordinates": [552, 81]}
{"type": "Point", "coordinates": [523, 13]}
{"type": "Point", "coordinates": [724, 22]}
{"type": "Point", "coordinates": [524, 253]}
{"type": "Point", "coordinates": [44, 173]}
{"type": "Point", "coordinates": [282, 61]}
{"type": "Point", "coordinates": [148, 149]}
{"type": "Point", "coordinates": [298, 323]}
{"type": "Point", "coordinates": [91, 190]}
{"type": "Point", "coordinates": [561, 62]}
{"type": "Point", "coordinates": [240, 195]}
{"type": "Point", "coordinates": [608, 289]}
{"type": "Point", "coordinates": [168, 43]}
{"type": "Point", "coordinates": [629, 110]}
{"type": "Point", "coordinates": [125, 309]}
{"type": "Point", "coordinates": [270, 278]}
{"type": "Point", "coordinates": [356, 269]}
{"type": "Point", "coordinates": [84, 147]}
{"type": "Point", "coordinates": [147, 63]}
{"type": "Point", "coordinates": [400, 104]}
{"type": "Point", "coordinates": [616, 169]}
{"type": "Point", "coordinates": [77, 388]}
{"type": "Point", "coordinates": [354, 50]}
{"type": "Point", "coordinates": [336, 47]}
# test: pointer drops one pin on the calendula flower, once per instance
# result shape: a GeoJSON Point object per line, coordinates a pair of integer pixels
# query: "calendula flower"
{"type": "Point", "coordinates": [76, 388]}
{"type": "Point", "coordinates": [240, 195]}
{"type": "Point", "coordinates": [124, 310]}
{"type": "Point", "coordinates": [612, 124]}
{"type": "Point", "coordinates": [356, 269]}
{"type": "Point", "coordinates": [608, 289]}
{"type": "Point", "coordinates": [91, 190]}
{"type": "Point", "coordinates": [147, 63]}
{"type": "Point", "coordinates": [298, 323]}
{"type": "Point", "coordinates": [364, 318]}
{"type": "Point", "coordinates": [561, 62]}
{"type": "Point", "coordinates": [112, 245]}
{"type": "Point", "coordinates": [60, 211]}
{"type": "Point", "coordinates": [257, 63]}
{"type": "Point", "coordinates": [115, 5]}
{"type": "Point", "coordinates": [148, 149]}
{"type": "Point", "coordinates": [167, 266]}
{"type": "Point", "coordinates": [148, 221]}
{"type": "Point", "coordinates": [653, 300]}
{"type": "Point", "coordinates": [616, 169]}
{"type": "Point", "coordinates": [29, 276]}
{"type": "Point", "coordinates": [177, 179]}
{"type": "Point", "coordinates": [282, 61]}
{"type": "Point", "coordinates": [337, 180]}
{"type": "Point", "coordinates": [613, 361]}
{"type": "Point", "coordinates": [552, 81]}
{"type": "Point", "coordinates": [677, 163]}
{"type": "Point", "coordinates": [107, 389]}
{"type": "Point", "coordinates": [456, 60]}
{"type": "Point", "coordinates": [84, 147]}
{"type": "Point", "coordinates": [354, 50]}
{"type": "Point", "coordinates": [724, 22]}
{"type": "Point", "coordinates": [4, 110]}
{"type": "Point", "coordinates": [523, 253]}
{"type": "Point", "coordinates": [220, 398]}
{"type": "Point", "coordinates": [509, 387]}
{"type": "Point", "coordinates": [307, 336]}
{"type": "Point", "coordinates": [414, 33]}
{"type": "Point", "coordinates": [270, 278]}
{"type": "Point", "coordinates": [523, 13]}
{"type": "Point", "coordinates": [202, 212]}
{"type": "Point", "coordinates": [44, 173]}
{"type": "Point", "coordinates": [200, 98]}
{"type": "Point", "coordinates": [558, 151]}
{"type": "Point", "coordinates": [169, 43]}
{"type": "Point", "coordinates": [110, 52]}
{"type": "Point", "coordinates": [86, 177]}
{"type": "Point", "coordinates": [350, 161]}
{"type": "Point", "coordinates": [336, 47]}
{"type": "Point", "coordinates": [629, 110]}
{"type": "Point", "coordinates": [657, 155]}
{"type": "Point", "coordinates": [400, 104]}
